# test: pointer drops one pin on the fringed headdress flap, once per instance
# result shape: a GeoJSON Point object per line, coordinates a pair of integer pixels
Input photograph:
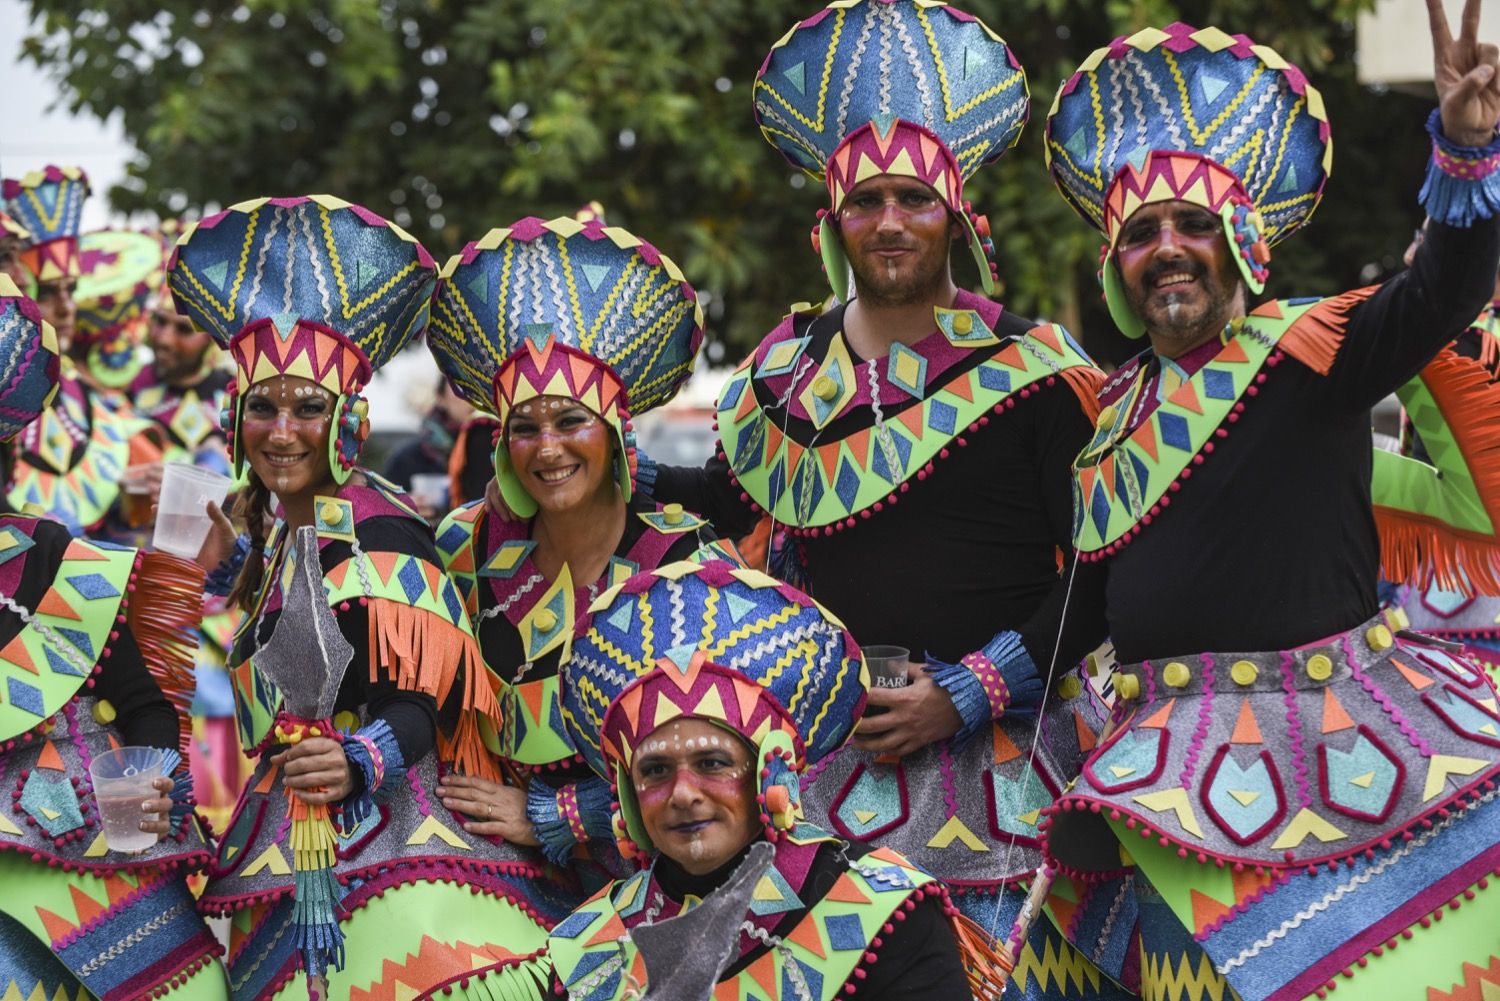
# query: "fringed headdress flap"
{"type": "Point", "coordinates": [28, 361]}
{"type": "Point", "coordinates": [121, 272]}
{"type": "Point", "coordinates": [312, 286]}
{"type": "Point", "coordinates": [1194, 115]}
{"type": "Point", "coordinates": [564, 307]}
{"type": "Point", "coordinates": [905, 87]}
{"type": "Point", "coordinates": [49, 204]}
{"type": "Point", "coordinates": [717, 642]}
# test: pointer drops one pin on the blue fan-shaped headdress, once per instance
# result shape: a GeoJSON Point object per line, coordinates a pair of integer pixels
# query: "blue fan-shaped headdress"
{"type": "Point", "coordinates": [28, 361]}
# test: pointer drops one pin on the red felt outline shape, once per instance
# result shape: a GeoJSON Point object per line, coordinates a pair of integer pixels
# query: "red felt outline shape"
{"type": "Point", "coordinates": [1437, 709]}
{"type": "Point", "coordinates": [1207, 786]}
{"type": "Point", "coordinates": [1477, 673]}
{"type": "Point", "coordinates": [1391, 801]}
{"type": "Point", "coordinates": [843, 794]}
{"type": "Point", "coordinates": [1161, 762]}
{"type": "Point", "coordinates": [214, 871]}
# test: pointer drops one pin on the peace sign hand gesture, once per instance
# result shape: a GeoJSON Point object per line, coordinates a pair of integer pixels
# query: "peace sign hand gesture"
{"type": "Point", "coordinates": [1466, 73]}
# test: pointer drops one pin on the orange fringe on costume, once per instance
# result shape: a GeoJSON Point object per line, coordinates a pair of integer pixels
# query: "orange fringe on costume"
{"type": "Point", "coordinates": [1315, 338]}
{"type": "Point", "coordinates": [422, 652]}
{"type": "Point", "coordinates": [1085, 383]}
{"type": "Point", "coordinates": [987, 967]}
{"type": "Point", "coordinates": [1418, 550]}
{"type": "Point", "coordinates": [164, 613]}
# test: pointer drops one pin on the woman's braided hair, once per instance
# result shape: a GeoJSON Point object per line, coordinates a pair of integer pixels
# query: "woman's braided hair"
{"type": "Point", "coordinates": [253, 507]}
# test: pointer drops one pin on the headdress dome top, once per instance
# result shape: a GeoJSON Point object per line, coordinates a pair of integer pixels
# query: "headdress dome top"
{"type": "Point", "coordinates": [28, 361]}
{"type": "Point", "coordinates": [1195, 115]}
{"type": "Point", "coordinates": [48, 204]}
{"type": "Point", "coordinates": [905, 87]}
{"type": "Point", "coordinates": [564, 307]}
{"type": "Point", "coordinates": [716, 642]}
{"type": "Point", "coordinates": [311, 286]}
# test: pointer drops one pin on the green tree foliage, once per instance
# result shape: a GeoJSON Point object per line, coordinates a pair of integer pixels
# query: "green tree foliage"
{"type": "Point", "coordinates": [455, 116]}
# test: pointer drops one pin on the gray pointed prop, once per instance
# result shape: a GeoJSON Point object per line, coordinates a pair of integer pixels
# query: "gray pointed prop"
{"type": "Point", "coordinates": [686, 955]}
{"type": "Point", "coordinates": [307, 655]}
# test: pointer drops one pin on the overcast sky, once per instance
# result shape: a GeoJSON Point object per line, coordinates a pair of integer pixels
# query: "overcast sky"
{"type": "Point", "coordinates": [36, 128]}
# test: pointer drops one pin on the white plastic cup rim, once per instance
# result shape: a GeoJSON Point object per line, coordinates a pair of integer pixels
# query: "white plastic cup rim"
{"type": "Point", "coordinates": [185, 490]}
{"type": "Point", "coordinates": [126, 764]}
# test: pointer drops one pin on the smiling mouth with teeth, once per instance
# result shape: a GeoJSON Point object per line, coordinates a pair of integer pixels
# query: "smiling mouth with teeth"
{"type": "Point", "coordinates": [555, 475]}
{"type": "Point", "coordinates": [1179, 278]}
{"type": "Point", "coordinates": [285, 460]}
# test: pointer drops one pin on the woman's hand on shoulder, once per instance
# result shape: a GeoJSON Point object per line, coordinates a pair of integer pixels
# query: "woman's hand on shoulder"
{"type": "Point", "coordinates": [498, 810]}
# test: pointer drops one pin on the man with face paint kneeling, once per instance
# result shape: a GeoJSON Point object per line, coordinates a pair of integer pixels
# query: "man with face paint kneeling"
{"type": "Point", "coordinates": [1298, 785]}
{"type": "Point", "coordinates": [702, 692]}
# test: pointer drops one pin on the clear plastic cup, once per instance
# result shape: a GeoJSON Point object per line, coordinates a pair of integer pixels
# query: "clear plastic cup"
{"type": "Point", "coordinates": [887, 665]}
{"type": "Point", "coordinates": [182, 524]}
{"type": "Point", "coordinates": [122, 780]}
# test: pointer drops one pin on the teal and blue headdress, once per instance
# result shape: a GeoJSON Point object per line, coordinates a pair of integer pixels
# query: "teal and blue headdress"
{"type": "Point", "coordinates": [906, 87]}
{"type": "Point", "coordinates": [717, 642]}
{"type": "Point", "coordinates": [28, 361]}
{"type": "Point", "coordinates": [313, 287]}
{"type": "Point", "coordinates": [568, 308]}
{"type": "Point", "coordinates": [1193, 115]}
{"type": "Point", "coordinates": [48, 205]}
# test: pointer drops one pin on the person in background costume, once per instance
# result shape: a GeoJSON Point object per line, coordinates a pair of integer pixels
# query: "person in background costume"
{"type": "Point", "coordinates": [91, 636]}
{"type": "Point", "coordinates": [70, 463]}
{"type": "Point", "coordinates": [310, 296]}
{"type": "Point", "coordinates": [563, 383]}
{"type": "Point", "coordinates": [1297, 785]}
{"type": "Point", "coordinates": [916, 442]}
{"type": "Point", "coordinates": [702, 693]}
{"type": "Point", "coordinates": [121, 273]}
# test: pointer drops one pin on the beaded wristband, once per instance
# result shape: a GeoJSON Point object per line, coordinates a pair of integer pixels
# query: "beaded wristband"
{"type": "Point", "coordinates": [1463, 182]}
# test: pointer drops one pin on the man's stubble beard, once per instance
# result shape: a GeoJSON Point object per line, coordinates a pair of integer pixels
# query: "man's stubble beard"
{"type": "Point", "coordinates": [877, 289]}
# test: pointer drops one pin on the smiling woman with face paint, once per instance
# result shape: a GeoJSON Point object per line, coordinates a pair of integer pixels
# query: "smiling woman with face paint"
{"type": "Point", "coordinates": [704, 743]}
{"type": "Point", "coordinates": [363, 739]}
{"type": "Point", "coordinates": [563, 383]}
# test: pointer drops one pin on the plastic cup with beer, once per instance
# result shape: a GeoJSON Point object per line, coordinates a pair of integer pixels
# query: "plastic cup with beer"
{"type": "Point", "coordinates": [122, 779]}
{"type": "Point", "coordinates": [182, 521]}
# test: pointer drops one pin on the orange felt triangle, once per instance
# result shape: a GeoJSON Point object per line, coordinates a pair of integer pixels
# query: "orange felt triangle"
{"type": "Point", "coordinates": [1206, 910]}
{"type": "Point", "coordinates": [1182, 171]}
{"type": "Point", "coordinates": [1011, 356]}
{"type": "Point", "coordinates": [793, 456]}
{"type": "Point", "coordinates": [86, 906]}
{"type": "Point", "coordinates": [1246, 729]}
{"type": "Point", "coordinates": [727, 990]}
{"type": "Point", "coordinates": [1247, 882]}
{"type": "Point", "coordinates": [114, 742]}
{"type": "Point", "coordinates": [1145, 436]}
{"type": "Point", "coordinates": [79, 553]}
{"type": "Point", "coordinates": [1107, 474]}
{"type": "Point", "coordinates": [1413, 678]}
{"type": "Point", "coordinates": [846, 891]}
{"type": "Point", "coordinates": [15, 651]}
{"type": "Point", "coordinates": [828, 455]}
{"type": "Point", "coordinates": [1270, 308]}
{"type": "Point", "coordinates": [763, 972]}
{"type": "Point", "coordinates": [914, 420]}
{"type": "Point", "coordinates": [267, 780]}
{"type": "Point", "coordinates": [747, 404]}
{"type": "Point", "coordinates": [434, 577]}
{"type": "Point", "coordinates": [59, 928]}
{"type": "Point", "coordinates": [1086, 477]}
{"type": "Point", "coordinates": [323, 347]}
{"type": "Point", "coordinates": [50, 759]}
{"type": "Point", "coordinates": [1232, 353]}
{"type": "Point", "coordinates": [747, 694]}
{"type": "Point", "coordinates": [1086, 737]}
{"type": "Point", "coordinates": [581, 369]}
{"type": "Point", "coordinates": [117, 888]}
{"type": "Point", "coordinates": [929, 150]}
{"type": "Point", "coordinates": [55, 604]}
{"type": "Point", "coordinates": [1048, 336]}
{"type": "Point", "coordinates": [534, 694]}
{"type": "Point", "coordinates": [1187, 398]}
{"type": "Point", "coordinates": [1005, 748]}
{"type": "Point", "coordinates": [335, 577]}
{"type": "Point", "coordinates": [962, 387]}
{"type": "Point", "coordinates": [630, 703]}
{"type": "Point", "coordinates": [1062, 910]}
{"type": "Point", "coordinates": [805, 934]}
{"type": "Point", "coordinates": [613, 929]}
{"type": "Point", "coordinates": [1335, 718]}
{"type": "Point", "coordinates": [859, 447]}
{"type": "Point", "coordinates": [1158, 720]}
{"type": "Point", "coordinates": [773, 440]}
{"type": "Point", "coordinates": [385, 564]}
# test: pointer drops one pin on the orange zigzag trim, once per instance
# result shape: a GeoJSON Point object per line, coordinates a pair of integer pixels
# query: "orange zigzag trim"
{"type": "Point", "coordinates": [1419, 550]}
{"type": "Point", "coordinates": [1478, 984]}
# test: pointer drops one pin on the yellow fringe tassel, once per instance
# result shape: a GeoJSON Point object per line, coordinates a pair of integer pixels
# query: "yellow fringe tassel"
{"type": "Point", "coordinates": [164, 613]}
{"type": "Point", "coordinates": [420, 651]}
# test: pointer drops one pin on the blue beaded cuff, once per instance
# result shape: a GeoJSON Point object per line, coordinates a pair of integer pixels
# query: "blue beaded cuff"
{"type": "Point", "coordinates": [999, 680]}
{"type": "Point", "coordinates": [1463, 182]}
{"type": "Point", "coordinates": [372, 751]}
{"type": "Point", "coordinates": [221, 579]}
{"type": "Point", "coordinates": [557, 814]}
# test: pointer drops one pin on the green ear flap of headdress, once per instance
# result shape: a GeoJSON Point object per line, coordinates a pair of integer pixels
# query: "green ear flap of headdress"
{"type": "Point", "coordinates": [1119, 307]}
{"type": "Point", "coordinates": [346, 438]}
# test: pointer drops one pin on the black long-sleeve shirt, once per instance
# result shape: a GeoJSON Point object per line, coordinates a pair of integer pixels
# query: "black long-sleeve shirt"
{"type": "Point", "coordinates": [1272, 543]}
{"type": "Point", "coordinates": [968, 552]}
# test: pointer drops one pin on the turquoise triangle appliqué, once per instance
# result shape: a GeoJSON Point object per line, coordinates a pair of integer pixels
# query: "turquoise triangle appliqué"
{"type": "Point", "coordinates": [739, 606]}
{"type": "Point", "coordinates": [595, 274]}
{"type": "Point", "coordinates": [797, 77]}
{"type": "Point", "coordinates": [1212, 86]}
{"type": "Point", "coordinates": [215, 274]}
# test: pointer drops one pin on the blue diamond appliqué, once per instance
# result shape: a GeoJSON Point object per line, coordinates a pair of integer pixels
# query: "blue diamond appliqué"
{"type": "Point", "coordinates": [845, 933]}
{"type": "Point", "coordinates": [1218, 384]}
{"type": "Point", "coordinates": [412, 581]}
{"type": "Point", "coordinates": [24, 696]}
{"type": "Point", "coordinates": [942, 417]}
{"type": "Point", "coordinates": [1174, 431]}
